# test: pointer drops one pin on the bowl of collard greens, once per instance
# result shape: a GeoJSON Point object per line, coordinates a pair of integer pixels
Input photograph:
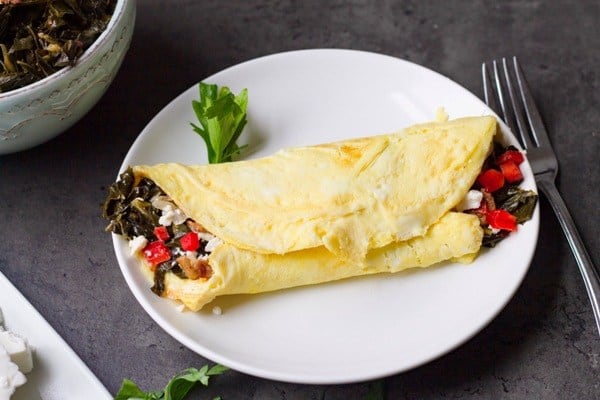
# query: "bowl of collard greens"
{"type": "Point", "coordinates": [57, 58]}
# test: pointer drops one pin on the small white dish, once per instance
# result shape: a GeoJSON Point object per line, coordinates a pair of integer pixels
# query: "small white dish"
{"type": "Point", "coordinates": [38, 112]}
{"type": "Point", "coordinates": [58, 373]}
{"type": "Point", "coordinates": [351, 330]}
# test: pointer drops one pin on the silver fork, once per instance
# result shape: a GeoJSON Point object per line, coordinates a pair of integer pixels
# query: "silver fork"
{"type": "Point", "coordinates": [522, 117]}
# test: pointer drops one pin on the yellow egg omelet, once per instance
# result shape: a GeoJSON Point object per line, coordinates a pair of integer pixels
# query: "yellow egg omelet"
{"type": "Point", "coordinates": [237, 271]}
{"type": "Point", "coordinates": [349, 196]}
{"type": "Point", "coordinates": [321, 213]}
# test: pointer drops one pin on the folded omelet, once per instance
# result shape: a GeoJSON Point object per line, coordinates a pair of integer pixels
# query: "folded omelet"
{"type": "Point", "coordinates": [237, 271]}
{"type": "Point", "coordinates": [320, 213]}
{"type": "Point", "coordinates": [349, 196]}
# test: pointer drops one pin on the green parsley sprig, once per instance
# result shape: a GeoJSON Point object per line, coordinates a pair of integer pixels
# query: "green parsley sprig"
{"type": "Point", "coordinates": [177, 388]}
{"type": "Point", "coordinates": [222, 117]}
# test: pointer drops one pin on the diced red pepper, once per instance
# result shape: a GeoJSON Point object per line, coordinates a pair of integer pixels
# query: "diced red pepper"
{"type": "Point", "coordinates": [156, 253]}
{"type": "Point", "coordinates": [502, 219]}
{"type": "Point", "coordinates": [511, 171]}
{"type": "Point", "coordinates": [510, 155]}
{"type": "Point", "coordinates": [161, 233]}
{"type": "Point", "coordinates": [190, 241]}
{"type": "Point", "coordinates": [491, 180]}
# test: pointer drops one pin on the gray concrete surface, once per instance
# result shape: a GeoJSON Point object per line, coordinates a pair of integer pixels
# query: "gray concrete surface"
{"type": "Point", "coordinates": [542, 345]}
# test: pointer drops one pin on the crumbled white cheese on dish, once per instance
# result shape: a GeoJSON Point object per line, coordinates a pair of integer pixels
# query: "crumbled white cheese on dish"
{"type": "Point", "coordinates": [212, 244]}
{"type": "Point", "coordinates": [10, 376]}
{"type": "Point", "coordinates": [471, 200]}
{"type": "Point", "coordinates": [18, 349]}
{"type": "Point", "coordinates": [137, 244]}
{"type": "Point", "coordinates": [15, 361]}
{"type": "Point", "coordinates": [178, 251]}
{"type": "Point", "coordinates": [191, 254]}
{"type": "Point", "coordinates": [162, 202]}
{"type": "Point", "coordinates": [172, 216]}
{"type": "Point", "coordinates": [207, 237]}
{"type": "Point", "coordinates": [170, 213]}
{"type": "Point", "coordinates": [217, 310]}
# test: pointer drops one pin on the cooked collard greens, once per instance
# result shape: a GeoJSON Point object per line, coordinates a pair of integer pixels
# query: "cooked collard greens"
{"type": "Point", "coordinates": [40, 37]}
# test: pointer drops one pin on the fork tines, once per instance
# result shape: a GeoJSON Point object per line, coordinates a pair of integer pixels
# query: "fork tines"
{"type": "Point", "coordinates": [503, 81]}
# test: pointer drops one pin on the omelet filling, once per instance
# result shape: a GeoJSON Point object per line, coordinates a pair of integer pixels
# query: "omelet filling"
{"type": "Point", "coordinates": [159, 232]}
{"type": "Point", "coordinates": [170, 242]}
{"type": "Point", "coordinates": [314, 214]}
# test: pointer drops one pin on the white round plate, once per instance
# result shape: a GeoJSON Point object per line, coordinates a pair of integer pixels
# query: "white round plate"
{"type": "Point", "coordinates": [351, 330]}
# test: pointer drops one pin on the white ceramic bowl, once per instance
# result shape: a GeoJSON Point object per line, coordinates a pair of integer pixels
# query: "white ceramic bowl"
{"type": "Point", "coordinates": [42, 110]}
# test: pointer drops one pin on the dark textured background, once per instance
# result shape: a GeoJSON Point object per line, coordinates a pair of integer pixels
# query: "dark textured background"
{"type": "Point", "coordinates": [542, 345]}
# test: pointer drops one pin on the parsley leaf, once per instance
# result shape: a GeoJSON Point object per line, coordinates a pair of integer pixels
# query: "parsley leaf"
{"type": "Point", "coordinates": [130, 391]}
{"type": "Point", "coordinates": [222, 117]}
{"type": "Point", "coordinates": [177, 388]}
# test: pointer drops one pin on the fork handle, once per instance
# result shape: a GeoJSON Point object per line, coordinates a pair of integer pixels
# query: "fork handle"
{"type": "Point", "coordinates": [584, 262]}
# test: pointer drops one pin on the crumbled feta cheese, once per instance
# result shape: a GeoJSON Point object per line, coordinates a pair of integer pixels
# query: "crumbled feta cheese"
{"type": "Point", "coordinates": [173, 216]}
{"type": "Point", "coordinates": [470, 201]}
{"type": "Point", "coordinates": [178, 251]}
{"type": "Point", "coordinates": [137, 244]}
{"type": "Point", "coordinates": [191, 254]}
{"type": "Point", "coordinates": [10, 376]}
{"type": "Point", "coordinates": [15, 360]}
{"type": "Point", "coordinates": [217, 310]}
{"type": "Point", "coordinates": [18, 349]}
{"type": "Point", "coordinates": [212, 244]}
{"type": "Point", "coordinates": [170, 213]}
{"type": "Point", "coordinates": [180, 307]}
{"type": "Point", "coordinates": [162, 203]}
{"type": "Point", "coordinates": [207, 237]}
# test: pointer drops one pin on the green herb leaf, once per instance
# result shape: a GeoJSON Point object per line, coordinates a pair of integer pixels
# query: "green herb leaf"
{"type": "Point", "coordinates": [130, 391]}
{"type": "Point", "coordinates": [222, 117]}
{"type": "Point", "coordinates": [492, 239]}
{"type": "Point", "coordinates": [519, 202]}
{"type": "Point", "coordinates": [177, 388]}
{"type": "Point", "coordinates": [129, 207]}
{"type": "Point", "coordinates": [217, 369]}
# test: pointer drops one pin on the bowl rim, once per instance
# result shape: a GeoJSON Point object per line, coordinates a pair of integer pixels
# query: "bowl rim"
{"type": "Point", "coordinates": [117, 15]}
